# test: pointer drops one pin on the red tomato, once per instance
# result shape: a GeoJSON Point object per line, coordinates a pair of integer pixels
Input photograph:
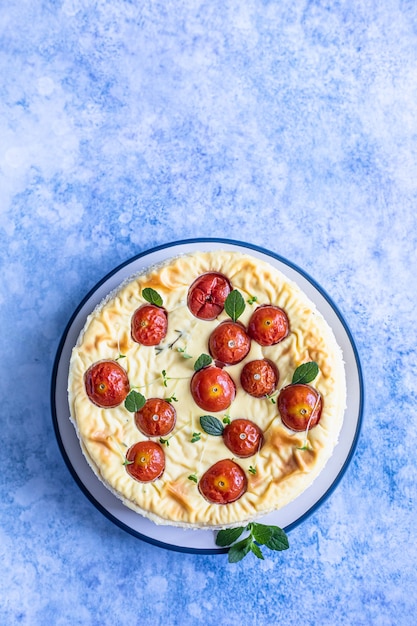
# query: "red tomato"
{"type": "Point", "coordinates": [259, 377]}
{"type": "Point", "coordinates": [156, 418]}
{"type": "Point", "coordinates": [243, 437]}
{"type": "Point", "coordinates": [149, 325]}
{"type": "Point", "coordinates": [207, 295]}
{"type": "Point", "coordinates": [106, 384]}
{"type": "Point", "coordinates": [229, 343]}
{"type": "Point", "coordinates": [223, 482]}
{"type": "Point", "coordinates": [212, 389]}
{"type": "Point", "coordinates": [300, 406]}
{"type": "Point", "coordinates": [145, 461]}
{"type": "Point", "coordinates": [268, 325]}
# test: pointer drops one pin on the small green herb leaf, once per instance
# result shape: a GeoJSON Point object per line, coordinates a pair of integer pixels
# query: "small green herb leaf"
{"type": "Point", "coordinates": [256, 550]}
{"type": "Point", "coordinates": [252, 300]}
{"type": "Point", "coordinates": [195, 437]}
{"type": "Point", "coordinates": [164, 441]}
{"type": "Point", "coordinates": [203, 361]}
{"type": "Point", "coordinates": [305, 373]}
{"type": "Point", "coordinates": [239, 550]}
{"type": "Point", "coordinates": [278, 539]}
{"type": "Point", "coordinates": [252, 470]}
{"type": "Point", "coordinates": [234, 304]}
{"type": "Point", "coordinates": [306, 446]}
{"type": "Point", "coordinates": [261, 533]}
{"type": "Point", "coordinates": [193, 477]}
{"type": "Point", "coordinates": [226, 419]}
{"type": "Point", "coordinates": [121, 356]}
{"type": "Point", "coordinates": [272, 537]}
{"type": "Point", "coordinates": [152, 296]}
{"type": "Point", "coordinates": [184, 354]}
{"type": "Point", "coordinates": [134, 401]}
{"type": "Point", "coordinates": [126, 462]}
{"type": "Point", "coordinates": [228, 535]}
{"type": "Point", "coordinates": [211, 425]}
{"type": "Point", "coordinates": [171, 399]}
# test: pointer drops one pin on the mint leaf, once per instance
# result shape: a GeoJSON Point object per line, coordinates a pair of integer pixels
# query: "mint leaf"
{"type": "Point", "coordinates": [257, 551]}
{"type": "Point", "coordinates": [272, 537]}
{"type": "Point", "coordinates": [203, 361]}
{"type": "Point", "coordinates": [278, 539]}
{"type": "Point", "coordinates": [239, 550]}
{"type": "Point", "coordinates": [228, 535]}
{"type": "Point", "coordinates": [261, 533]}
{"type": "Point", "coordinates": [234, 304]}
{"type": "Point", "coordinates": [152, 296]}
{"type": "Point", "coordinates": [305, 373]}
{"type": "Point", "coordinates": [211, 425]}
{"type": "Point", "coordinates": [134, 401]}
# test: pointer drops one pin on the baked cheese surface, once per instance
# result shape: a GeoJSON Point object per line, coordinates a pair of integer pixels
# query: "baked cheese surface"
{"type": "Point", "coordinates": [288, 461]}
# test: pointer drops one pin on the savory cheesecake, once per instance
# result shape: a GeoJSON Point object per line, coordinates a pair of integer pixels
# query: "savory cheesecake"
{"type": "Point", "coordinates": [207, 391]}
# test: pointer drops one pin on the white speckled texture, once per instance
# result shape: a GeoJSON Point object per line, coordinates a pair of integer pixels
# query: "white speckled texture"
{"type": "Point", "coordinates": [291, 125]}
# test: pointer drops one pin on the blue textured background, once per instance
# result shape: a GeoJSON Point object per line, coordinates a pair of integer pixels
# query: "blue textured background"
{"type": "Point", "coordinates": [291, 125]}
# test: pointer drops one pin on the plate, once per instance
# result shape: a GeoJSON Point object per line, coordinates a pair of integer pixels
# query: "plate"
{"type": "Point", "coordinates": [202, 541]}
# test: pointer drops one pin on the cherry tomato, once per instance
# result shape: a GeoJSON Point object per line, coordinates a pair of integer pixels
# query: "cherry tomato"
{"type": "Point", "coordinates": [106, 384]}
{"type": "Point", "coordinates": [156, 418]}
{"type": "Point", "coordinates": [268, 325]}
{"type": "Point", "coordinates": [145, 461]}
{"type": "Point", "coordinates": [259, 377]}
{"type": "Point", "coordinates": [298, 404]}
{"type": "Point", "coordinates": [207, 295]}
{"type": "Point", "coordinates": [149, 324]}
{"type": "Point", "coordinates": [229, 343]}
{"type": "Point", "coordinates": [212, 389]}
{"type": "Point", "coordinates": [223, 482]}
{"type": "Point", "coordinates": [243, 437]}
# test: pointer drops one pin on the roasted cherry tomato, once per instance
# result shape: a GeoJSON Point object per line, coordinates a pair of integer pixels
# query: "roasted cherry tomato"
{"type": "Point", "coordinates": [149, 324]}
{"type": "Point", "coordinates": [223, 482]}
{"type": "Point", "coordinates": [207, 295]}
{"type": "Point", "coordinates": [156, 418]}
{"type": "Point", "coordinates": [106, 384]}
{"type": "Point", "coordinates": [212, 389]}
{"type": "Point", "coordinates": [299, 406]}
{"type": "Point", "coordinates": [145, 461]}
{"type": "Point", "coordinates": [268, 325]}
{"type": "Point", "coordinates": [259, 377]}
{"type": "Point", "coordinates": [229, 343]}
{"type": "Point", "coordinates": [243, 437]}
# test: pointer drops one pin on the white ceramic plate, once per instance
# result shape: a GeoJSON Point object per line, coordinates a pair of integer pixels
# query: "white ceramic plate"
{"type": "Point", "coordinates": [202, 541]}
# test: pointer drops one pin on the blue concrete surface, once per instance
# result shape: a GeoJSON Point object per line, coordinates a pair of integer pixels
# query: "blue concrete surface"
{"type": "Point", "coordinates": [291, 125]}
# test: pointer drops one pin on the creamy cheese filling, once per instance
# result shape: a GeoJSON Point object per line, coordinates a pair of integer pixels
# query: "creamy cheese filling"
{"type": "Point", "coordinates": [284, 466]}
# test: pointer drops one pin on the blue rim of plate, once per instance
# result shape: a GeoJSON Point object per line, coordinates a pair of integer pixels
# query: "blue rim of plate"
{"type": "Point", "coordinates": [167, 246]}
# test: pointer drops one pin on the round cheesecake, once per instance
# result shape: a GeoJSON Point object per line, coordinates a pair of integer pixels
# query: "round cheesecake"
{"type": "Point", "coordinates": [207, 391]}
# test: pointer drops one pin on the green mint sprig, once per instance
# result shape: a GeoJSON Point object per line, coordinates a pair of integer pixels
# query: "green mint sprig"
{"type": "Point", "coordinates": [152, 296]}
{"type": "Point", "coordinates": [234, 305]}
{"type": "Point", "coordinates": [271, 537]}
{"type": "Point", "coordinates": [211, 425]}
{"type": "Point", "coordinates": [305, 373]}
{"type": "Point", "coordinates": [203, 361]}
{"type": "Point", "coordinates": [134, 401]}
